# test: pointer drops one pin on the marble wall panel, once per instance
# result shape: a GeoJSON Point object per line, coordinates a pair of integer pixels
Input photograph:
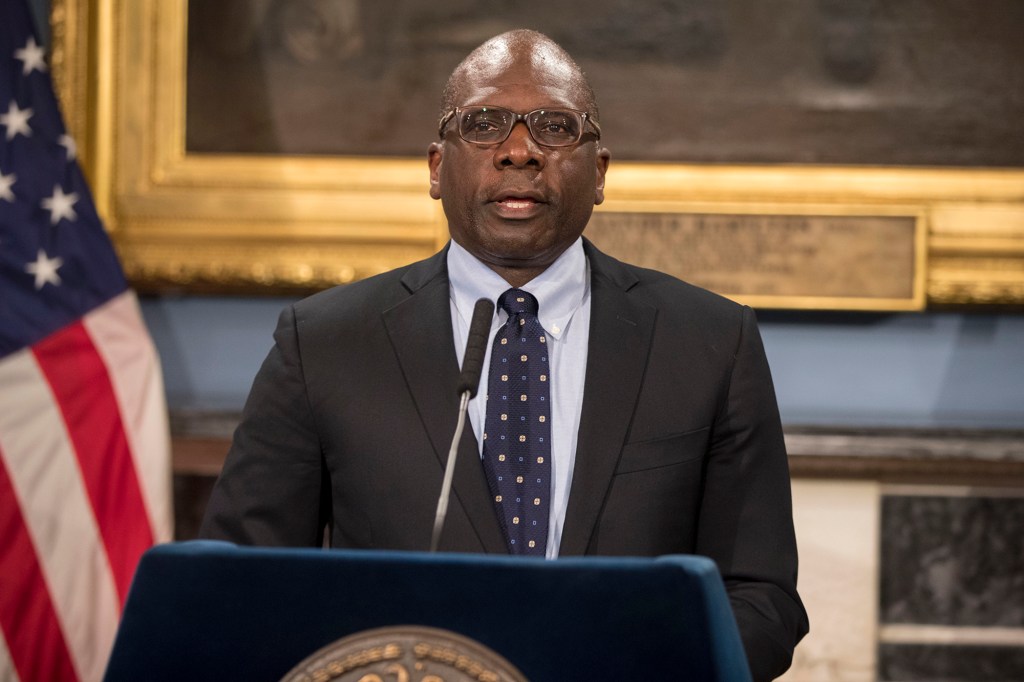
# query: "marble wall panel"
{"type": "Point", "coordinates": [911, 662]}
{"type": "Point", "coordinates": [952, 585]}
{"type": "Point", "coordinates": [953, 560]}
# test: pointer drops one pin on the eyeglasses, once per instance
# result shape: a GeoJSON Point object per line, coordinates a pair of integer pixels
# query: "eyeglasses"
{"type": "Point", "coordinates": [492, 125]}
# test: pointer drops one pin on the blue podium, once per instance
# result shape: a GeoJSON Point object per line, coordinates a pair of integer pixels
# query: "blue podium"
{"type": "Point", "coordinates": [211, 610]}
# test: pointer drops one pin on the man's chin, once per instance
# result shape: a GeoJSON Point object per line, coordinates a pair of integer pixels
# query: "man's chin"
{"type": "Point", "coordinates": [515, 255]}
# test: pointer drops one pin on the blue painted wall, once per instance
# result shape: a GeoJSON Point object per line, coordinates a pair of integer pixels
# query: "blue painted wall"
{"type": "Point", "coordinates": [915, 370]}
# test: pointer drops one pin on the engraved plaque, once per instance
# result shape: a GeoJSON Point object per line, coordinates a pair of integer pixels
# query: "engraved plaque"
{"type": "Point", "coordinates": [777, 261]}
{"type": "Point", "coordinates": [405, 653]}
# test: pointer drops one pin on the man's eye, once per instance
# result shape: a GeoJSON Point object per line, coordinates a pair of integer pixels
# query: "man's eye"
{"type": "Point", "coordinates": [554, 127]}
{"type": "Point", "coordinates": [557, 129]}
{"type": "Point", "coordinates": [483, 125]}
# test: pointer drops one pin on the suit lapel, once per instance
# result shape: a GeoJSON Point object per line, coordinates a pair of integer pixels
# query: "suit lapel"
{"type": "Point", "coordinates": [420, 330]}
{"type": "Point", "coordinates": [620, 338]}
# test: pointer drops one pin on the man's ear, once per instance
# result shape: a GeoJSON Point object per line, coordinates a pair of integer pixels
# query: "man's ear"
{"type": "Point", "coordinates": [604, 157]}
{"type": "Point", "coordinates": [434, 153]}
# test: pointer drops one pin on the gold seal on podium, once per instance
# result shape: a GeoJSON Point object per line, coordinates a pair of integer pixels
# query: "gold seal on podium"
{"type": "Point", "coordinates": [406, 653]}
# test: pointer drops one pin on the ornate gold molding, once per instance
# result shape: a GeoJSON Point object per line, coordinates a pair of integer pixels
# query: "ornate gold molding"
{"type": "Point", "coordinates": [259, 223]}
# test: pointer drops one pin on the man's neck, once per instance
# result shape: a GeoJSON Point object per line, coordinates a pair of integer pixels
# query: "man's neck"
{"type": "Point", "coordinates": [517, 277]}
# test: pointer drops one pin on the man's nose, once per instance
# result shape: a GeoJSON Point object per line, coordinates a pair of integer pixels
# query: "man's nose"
{"type": "Point", "coordinates": [519, 150]}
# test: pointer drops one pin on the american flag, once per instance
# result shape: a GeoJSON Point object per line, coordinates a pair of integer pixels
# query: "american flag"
{"type": "Point", "coordinates": [84, 447]}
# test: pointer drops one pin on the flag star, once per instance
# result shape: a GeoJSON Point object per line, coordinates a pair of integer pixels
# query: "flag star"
{"type": "Point", "coordinates": [33, 56]}
{"type": "Point", "coordinates": [16, 121]}
{"type": "Point", "coordinates": [45, 270]}
{"type": "Point", "coordinates": [60, 205]}
{"type": "Point", "coordinates": [6, 181]}
{"type": "Point", "coordinates": [68, 143]}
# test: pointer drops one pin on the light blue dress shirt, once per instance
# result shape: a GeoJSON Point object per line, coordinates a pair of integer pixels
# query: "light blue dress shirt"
{"type": "Point", "coordinates": [563, 297]}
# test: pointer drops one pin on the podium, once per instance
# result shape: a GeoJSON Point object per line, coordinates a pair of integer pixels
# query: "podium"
{"type": "Point", "coordinates": [210, 610]}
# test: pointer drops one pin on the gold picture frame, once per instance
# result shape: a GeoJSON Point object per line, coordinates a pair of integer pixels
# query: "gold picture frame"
{"type": "Point", "coordinates": [223, 222]}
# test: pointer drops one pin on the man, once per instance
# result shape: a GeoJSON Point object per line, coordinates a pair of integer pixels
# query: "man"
{"type": "Point", "coordinates": [658, 431]}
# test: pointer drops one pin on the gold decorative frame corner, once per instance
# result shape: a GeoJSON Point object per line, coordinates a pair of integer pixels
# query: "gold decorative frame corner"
{"type": "Point", "coordinates": [269, 223]}
{"type": "Point", "coordinates": [218, 222]}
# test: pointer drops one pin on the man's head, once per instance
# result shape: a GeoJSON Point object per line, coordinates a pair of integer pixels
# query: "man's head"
{"type": "Point", "coordinates": [518, 204]}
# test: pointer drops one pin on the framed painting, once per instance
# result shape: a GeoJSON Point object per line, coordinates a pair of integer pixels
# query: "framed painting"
{"type": "Point", "coordinates": [811, 154]}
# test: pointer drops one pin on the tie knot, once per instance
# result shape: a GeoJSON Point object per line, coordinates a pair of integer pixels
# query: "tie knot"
{"type": "Point", "coordinates": [516, 301]}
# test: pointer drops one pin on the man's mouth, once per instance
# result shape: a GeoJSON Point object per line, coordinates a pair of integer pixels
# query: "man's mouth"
{"type": "Point", "coordinates": [516, 203]}
{"type": "Point", "coordinates": [518, 207]}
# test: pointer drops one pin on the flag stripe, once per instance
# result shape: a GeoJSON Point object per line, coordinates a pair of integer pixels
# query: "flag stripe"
{"type": "Point", "coordinates": [121, 339]}
{"type": "Point", "coordinates": [7, 671]}
{"type": "Point", "coordinates": [81, 384]}
{"type": "Point", "coordinates": [44, 470]}
{"type": "Point", "coordinates": [27, 616]}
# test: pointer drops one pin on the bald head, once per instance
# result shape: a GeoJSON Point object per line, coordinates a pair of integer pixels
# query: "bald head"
{"type": "Point", "coordinates": [521, 46]}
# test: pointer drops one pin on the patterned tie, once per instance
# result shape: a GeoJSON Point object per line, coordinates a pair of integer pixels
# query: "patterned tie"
{"type": "Point", "coordinates": [517, 431]}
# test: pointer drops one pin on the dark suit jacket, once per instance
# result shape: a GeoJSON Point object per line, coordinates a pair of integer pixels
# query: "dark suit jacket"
{"type": "Point", "coordinates": [680, 446]}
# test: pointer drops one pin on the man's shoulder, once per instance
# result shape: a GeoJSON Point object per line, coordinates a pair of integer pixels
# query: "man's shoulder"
{"type": "Point", "coordinates": [684, 306]}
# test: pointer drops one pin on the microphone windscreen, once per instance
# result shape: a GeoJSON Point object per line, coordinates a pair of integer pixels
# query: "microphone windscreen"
{"type": "Point", "coordinates": [476, 347]}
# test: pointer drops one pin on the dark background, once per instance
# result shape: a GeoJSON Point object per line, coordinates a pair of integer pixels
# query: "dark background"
{"type": "Point", "coordinates": [910, 82]}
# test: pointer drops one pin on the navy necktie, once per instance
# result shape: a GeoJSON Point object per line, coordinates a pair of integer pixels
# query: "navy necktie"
{"type": "Point", "coordinates": [517, 430]}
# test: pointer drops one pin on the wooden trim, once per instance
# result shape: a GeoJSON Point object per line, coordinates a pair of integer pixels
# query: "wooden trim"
{"type": "Point", "coordinates": [199, 456]}
{"type": "Point", "coordinates": [962, 457]}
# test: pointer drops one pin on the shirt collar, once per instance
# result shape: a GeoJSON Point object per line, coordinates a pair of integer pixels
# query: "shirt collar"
{"type": "Point", "coordinates": [560, 289]}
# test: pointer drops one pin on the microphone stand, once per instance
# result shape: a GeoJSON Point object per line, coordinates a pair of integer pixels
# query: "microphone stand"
{"type": "Point", "coordinates": [449, 473]}
{"type": "Point", "coordinates": [469, 381]}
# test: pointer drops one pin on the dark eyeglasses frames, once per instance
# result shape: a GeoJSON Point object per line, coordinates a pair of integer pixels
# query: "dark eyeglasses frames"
{"type": "Point", "coordinates": [486, 125]}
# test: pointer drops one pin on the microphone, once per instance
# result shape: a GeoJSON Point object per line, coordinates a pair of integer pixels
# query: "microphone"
{"type": "Point", "coordinates": [476, 347]}
{"type": "Point", "coordinates": [469, 382]}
